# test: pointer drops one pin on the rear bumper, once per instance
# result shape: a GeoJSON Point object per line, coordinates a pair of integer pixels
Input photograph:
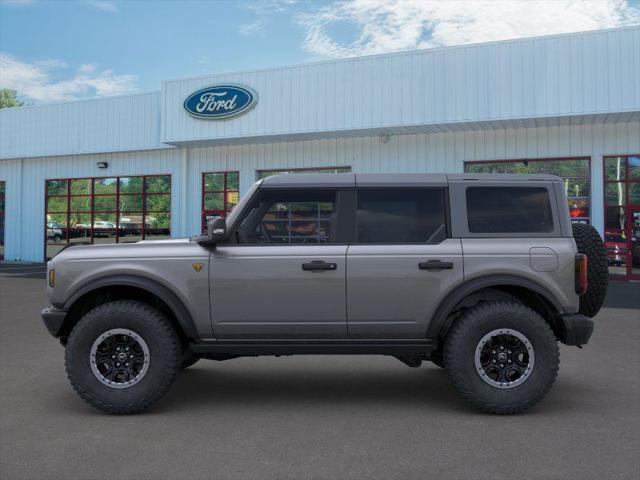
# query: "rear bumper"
{"type": "Point", "coordinates": [53, 319]}
{"type": "Point", "coordinates": [575, 329]}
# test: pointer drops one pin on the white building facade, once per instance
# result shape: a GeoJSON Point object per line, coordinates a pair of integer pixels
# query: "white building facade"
{"type": "Point", "coordinates": [143, 166]}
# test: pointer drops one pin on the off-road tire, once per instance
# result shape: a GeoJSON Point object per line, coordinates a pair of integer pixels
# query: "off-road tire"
{"type": "Point", "coordinates": [188, 358]}
{"type": "Point", "coordinates": [589, 242]}
{"type": "Point", "coordinates": [464, 337]}
{"type": "Point", "coordinates": [165, 356]}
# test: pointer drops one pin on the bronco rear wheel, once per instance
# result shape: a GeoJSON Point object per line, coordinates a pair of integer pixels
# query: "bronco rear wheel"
{"type": "Point", "coordinates": [123, 356]}
{"type": "Point", "coordinates": [502, 357]}
{"type": "Point", "coordinates": [589, 242]}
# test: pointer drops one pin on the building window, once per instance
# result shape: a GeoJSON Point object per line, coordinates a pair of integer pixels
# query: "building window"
{"type": "Point", "coordinates": [106, 210]}
{"type": "Point", "coordinates": [622, 215]}
{"type": "Point", "coordinates": [575, 173]}
{"type": "Point", "coordinates": [268, 173]}
{"type": "Point", "coordinates": [220, 193]}
{"type": "Point", "coordinates": [2, 210]}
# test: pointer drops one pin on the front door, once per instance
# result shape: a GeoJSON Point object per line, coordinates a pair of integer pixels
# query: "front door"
{"type": "Point", "coordinates": [401, 264]}
{"type": "Point", "coordinates": [284, 277]}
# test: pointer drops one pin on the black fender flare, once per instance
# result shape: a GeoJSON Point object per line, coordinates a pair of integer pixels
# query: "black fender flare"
{"type": "Point", "coordinates": [176, 306]}
{"type": "Point", "coordinates": [440, 324]}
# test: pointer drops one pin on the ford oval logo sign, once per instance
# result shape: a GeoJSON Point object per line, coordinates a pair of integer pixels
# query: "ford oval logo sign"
{"type": "Point", "coordinates": [220, 101]}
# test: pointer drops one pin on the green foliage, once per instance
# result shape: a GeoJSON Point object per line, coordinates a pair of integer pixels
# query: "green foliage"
{"type": "Point", "coordinates": [8, 98]}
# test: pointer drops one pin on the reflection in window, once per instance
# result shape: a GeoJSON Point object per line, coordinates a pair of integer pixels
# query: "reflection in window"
{"type": "Point", "coordinates": [288, 218]}
{"type": "Point", "coordinates": [575, 173]}
{"type": "Point", "coordinates": [107, 210]}
{"type": "Point", "coordinates": [220, 194]}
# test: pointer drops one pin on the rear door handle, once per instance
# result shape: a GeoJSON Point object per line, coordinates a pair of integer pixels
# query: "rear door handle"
{"type": "Point", "coordinates": [319, 265]}
{"type": "Point", "coordinates": [435, 265]}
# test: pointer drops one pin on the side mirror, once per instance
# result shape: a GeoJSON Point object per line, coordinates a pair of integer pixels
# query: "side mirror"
{"type": "Point", "coordinates": [217, 230]}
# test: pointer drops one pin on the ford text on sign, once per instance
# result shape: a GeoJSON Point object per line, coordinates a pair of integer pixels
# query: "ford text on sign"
{"type": "Point", "coordinates": [220, 101]}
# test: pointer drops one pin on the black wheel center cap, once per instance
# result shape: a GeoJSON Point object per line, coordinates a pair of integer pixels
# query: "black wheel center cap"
{"type": "Point", "coordinates": [502, 357]}
{"type": "Point", "coordinates": [122, 357]}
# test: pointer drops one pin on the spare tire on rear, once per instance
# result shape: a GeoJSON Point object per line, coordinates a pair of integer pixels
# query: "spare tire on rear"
{"type": "Point", "coordinates": [590, 243]}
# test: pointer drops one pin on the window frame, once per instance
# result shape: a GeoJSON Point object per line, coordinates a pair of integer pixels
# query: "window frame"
{"type": "Point", "coordinates": [226, 211]}
{"type": "Point", "coordinates": [627, 208]}
{"type": "Point", "coordinates": [589, 218]}
{"type": "Point", "coordinates": [445, 204]}
{"type": "Point", "coordinates": [92, 210]}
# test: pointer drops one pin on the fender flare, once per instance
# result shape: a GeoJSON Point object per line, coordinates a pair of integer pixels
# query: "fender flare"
{"type": "Point", "coordinates": [153, 287]}
{"type": "Point", "coordinates": [439, 323]}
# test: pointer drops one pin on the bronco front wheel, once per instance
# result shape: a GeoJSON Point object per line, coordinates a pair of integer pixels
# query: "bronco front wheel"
{"type": "Point", "coordinates": [123, 356]}
{"type": "Point", "coordinates": [502, 357]}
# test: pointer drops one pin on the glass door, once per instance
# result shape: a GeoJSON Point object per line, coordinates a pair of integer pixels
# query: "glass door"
{"type": "Point", "coordinates": [622, 216]}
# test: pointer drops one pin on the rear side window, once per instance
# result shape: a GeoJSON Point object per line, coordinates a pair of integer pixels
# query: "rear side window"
{"type": "Point", "coordinates": [401, 216]}
{"type": "Point", "coordinates": [509, 210]}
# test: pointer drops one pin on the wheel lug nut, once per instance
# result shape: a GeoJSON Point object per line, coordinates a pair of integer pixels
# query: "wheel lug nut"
{"type": "Point", "coordinates": [493, 351]}
{"type": "Point", "coordinates": [493, 361]}
{"type": "Point", "coordinates": [126, 364]}
{"type": "Point", "coordinates": [509, 361]}
{"type": "Point", "coordinates": [117, 364]}
{"type": "Point", "coordinates": [113, 356]}
{"type": "Point", "coordinates": [501, 365]}
{"type": "Point", "coordinates": [501, 348]}
{"type": "Point", "coordinates": [127, 349]}
{"type": "Point", "coordinates": [130, 356]}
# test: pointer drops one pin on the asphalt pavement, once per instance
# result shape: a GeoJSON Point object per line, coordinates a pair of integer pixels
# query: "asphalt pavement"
{"type": "Point", "coordinates": [314, 417]}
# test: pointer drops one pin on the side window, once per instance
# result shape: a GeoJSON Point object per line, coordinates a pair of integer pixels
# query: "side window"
{"type": "Point", "coordinates": [289, 217]}
{"type": "Point", "coordinates": [404, 215]}
{"type": "Point", "coordinates": [509, 210]}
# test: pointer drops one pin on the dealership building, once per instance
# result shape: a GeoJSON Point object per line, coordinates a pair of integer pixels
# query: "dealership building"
{"type": "Point", "coordinates": [158, 164]}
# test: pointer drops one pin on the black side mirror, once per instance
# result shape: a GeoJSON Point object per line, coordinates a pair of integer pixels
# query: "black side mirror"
{"type": "Point", "coordinates": [216, 233]}
{"type": "Point", "coordinates": [217, 230]}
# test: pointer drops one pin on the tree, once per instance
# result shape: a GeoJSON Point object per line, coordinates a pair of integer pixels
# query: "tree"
{"type": "Point", "coordinates": [8, 98]}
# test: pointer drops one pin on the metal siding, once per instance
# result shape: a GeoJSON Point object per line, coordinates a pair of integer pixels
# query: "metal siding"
{"type": "Point", "coordinates": [557, 76]}
{"type": "Point", "coordinates": [420, 152]}
{"type": "Point", "coordinates": [90, 126]}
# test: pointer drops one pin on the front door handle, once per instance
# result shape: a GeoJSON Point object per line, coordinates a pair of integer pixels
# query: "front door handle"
{"type": "Point", "coordinates": [435, 265]}
{"type": "Point", "coordinates": [319, 265]}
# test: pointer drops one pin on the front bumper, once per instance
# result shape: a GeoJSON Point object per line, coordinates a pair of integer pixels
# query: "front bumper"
{"type": "Point", "coordinates": [575, 329]}
{"type": "Point", "coordinates": [53, 319]}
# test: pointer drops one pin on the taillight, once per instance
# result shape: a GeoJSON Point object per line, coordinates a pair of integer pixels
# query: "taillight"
{"type": "Point", "coordinates": [581, 274]}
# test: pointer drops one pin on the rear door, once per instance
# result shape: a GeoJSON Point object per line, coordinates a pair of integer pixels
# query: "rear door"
{"type": "Point", "coordinates": [401, 263]}
{"type": "Point", "coordinates": [285, 276]}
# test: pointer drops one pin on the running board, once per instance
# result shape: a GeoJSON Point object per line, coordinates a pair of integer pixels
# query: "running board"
{"type": "Point", "coordinates": [314, 347]}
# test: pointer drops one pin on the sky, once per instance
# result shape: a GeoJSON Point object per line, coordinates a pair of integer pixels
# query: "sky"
{"type": "Point", "coordinates": [59, 50]}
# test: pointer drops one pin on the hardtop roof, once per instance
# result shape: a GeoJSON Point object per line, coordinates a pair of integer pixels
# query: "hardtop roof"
{"type": "Point", "coordinates": [346, 180]}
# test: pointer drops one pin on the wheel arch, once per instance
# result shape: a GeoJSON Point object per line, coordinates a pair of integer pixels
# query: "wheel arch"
{"type": "Point", "coordinates": [132, 287]}
{"type": "Point", "coordinates": [524, 290]}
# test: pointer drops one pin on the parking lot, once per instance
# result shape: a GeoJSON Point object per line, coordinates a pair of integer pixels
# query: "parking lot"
{"type": "Point", "coordinates": [316, 417]}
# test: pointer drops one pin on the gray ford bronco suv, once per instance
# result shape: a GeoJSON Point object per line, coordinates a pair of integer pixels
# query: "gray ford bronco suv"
{"type": "Point", "coordinates": [479, 274]}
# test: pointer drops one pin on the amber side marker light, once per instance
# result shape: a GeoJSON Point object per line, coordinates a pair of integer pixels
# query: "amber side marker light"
{"type": "Point", "coordinates": [581, 274]}
{"type": "Point", "coordinates": [52, 277]}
